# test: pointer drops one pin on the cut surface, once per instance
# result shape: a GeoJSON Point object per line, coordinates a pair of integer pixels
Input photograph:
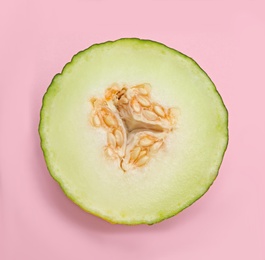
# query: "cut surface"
{"type": "Point", "coordinates": [148, 184]}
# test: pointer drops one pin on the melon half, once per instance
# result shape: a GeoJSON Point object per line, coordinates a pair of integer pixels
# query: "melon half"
{"type": "Point", "coordinates": [133, 131]}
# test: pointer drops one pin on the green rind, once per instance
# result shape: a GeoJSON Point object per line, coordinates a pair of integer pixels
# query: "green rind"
{"type": "Point", "coordinates": [60, 182]}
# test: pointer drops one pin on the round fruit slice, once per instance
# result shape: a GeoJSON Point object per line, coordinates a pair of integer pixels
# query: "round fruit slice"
{"type": "Point", "coordinates": [133, 131]}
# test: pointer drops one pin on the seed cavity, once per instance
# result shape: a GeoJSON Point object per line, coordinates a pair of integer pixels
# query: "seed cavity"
{"type": "Point", "coordinates": [135, 125]}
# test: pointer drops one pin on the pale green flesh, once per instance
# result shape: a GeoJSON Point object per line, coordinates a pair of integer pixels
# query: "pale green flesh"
{"type": "Point", "coordinates": [74, 149]}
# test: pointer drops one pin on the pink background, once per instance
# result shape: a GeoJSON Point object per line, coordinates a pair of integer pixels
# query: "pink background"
{"type": "Point", "coordinates": [226, 38]}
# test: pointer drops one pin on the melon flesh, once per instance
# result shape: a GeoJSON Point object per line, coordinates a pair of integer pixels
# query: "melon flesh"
{"type": "Point", "coordinates": [177, 176]}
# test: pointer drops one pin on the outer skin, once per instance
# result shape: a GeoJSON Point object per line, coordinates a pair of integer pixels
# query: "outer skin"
{"type": "Point", "coordinates": [152, 43]}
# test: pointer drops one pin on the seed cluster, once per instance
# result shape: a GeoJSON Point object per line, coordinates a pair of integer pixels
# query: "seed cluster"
{"type": "Point", "coordinates": [136, 126]}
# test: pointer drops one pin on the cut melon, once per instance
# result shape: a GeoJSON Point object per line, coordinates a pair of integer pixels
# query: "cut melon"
{"type": "Point", "coordinates": [133, 131]}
